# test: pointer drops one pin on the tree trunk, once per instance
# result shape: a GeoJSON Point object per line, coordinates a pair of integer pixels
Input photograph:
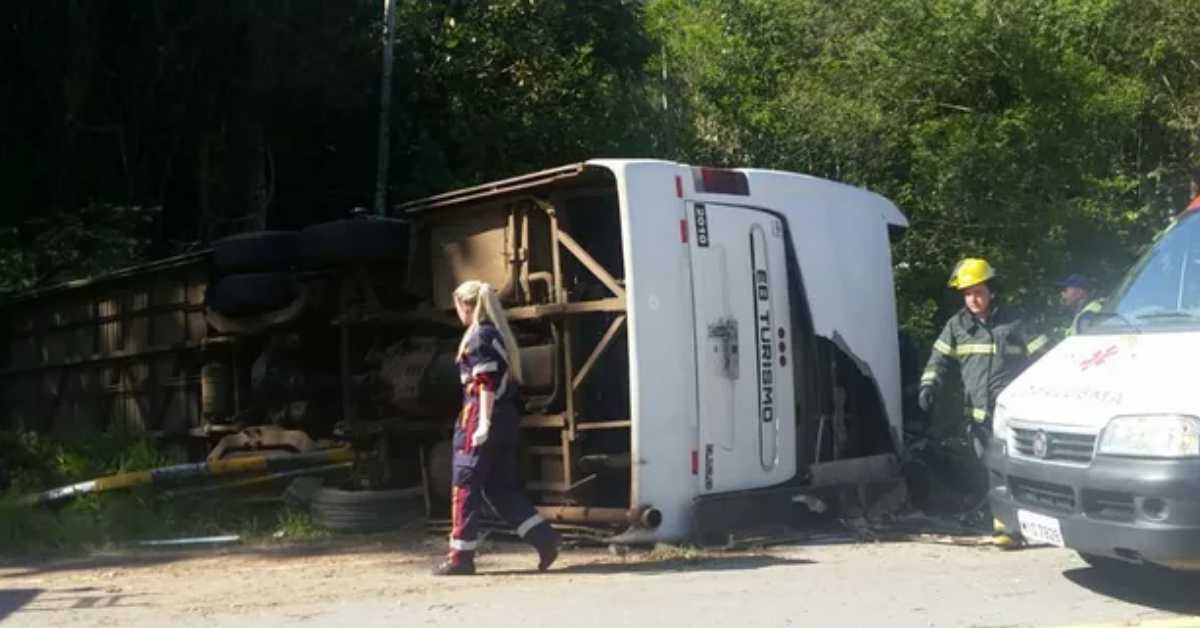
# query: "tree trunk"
{"type": "Point", "coordinates": [259, 193]}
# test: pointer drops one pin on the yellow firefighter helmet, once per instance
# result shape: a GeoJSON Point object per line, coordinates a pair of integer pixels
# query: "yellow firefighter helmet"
{"type": "Point", "coordinates": [971, 272]}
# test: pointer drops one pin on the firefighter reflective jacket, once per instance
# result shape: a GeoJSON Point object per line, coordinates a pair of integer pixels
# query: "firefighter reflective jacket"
{"type": "Point", "coordinates": [990, 354]}
{"type": "Point", "coordinates": [1093, 306]}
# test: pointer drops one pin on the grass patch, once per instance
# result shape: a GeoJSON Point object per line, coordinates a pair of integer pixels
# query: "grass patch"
{"type": "Point", "coordinates": [87, 523]}
{"type": "Point", "coordinates": [686, 553]}
{"type": "Point", "coordinates": [103, 522]}
{"type": "Point", "coordinates": [298, 525]}
{"type": "Point", "coordinates": [32, 463]}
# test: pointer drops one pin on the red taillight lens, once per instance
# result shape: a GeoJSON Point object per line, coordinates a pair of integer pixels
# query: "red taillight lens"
{"type": "Point", "coordinates": [718, 181]}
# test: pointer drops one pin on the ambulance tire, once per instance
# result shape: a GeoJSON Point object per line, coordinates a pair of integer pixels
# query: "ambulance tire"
{"type": "Point", "coordinates": [355, 241]}
{"type": "Point", "coordinates": [256, 252]}
{"type": "Point", "coordinates": [251, 293]}
{"type": "Point", "coordinates": [367, 511]}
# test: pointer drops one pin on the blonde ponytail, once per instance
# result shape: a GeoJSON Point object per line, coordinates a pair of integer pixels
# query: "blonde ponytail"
{"type": "Point", "coordinates": [485, 306]}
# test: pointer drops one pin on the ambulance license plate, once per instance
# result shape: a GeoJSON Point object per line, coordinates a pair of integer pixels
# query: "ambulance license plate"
{"type": "Point", "coordinates": [1040, 528]}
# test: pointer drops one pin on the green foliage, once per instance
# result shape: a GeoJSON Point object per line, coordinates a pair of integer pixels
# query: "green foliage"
{"type": "Point", "coordinates": [25, 530]}
{"type": "Point", "coordinates": [492, 89]}
{"type": "Point", "coordinates": [95, 521]}
{"type": "Point", "coordinates": [87, 522]}
{"type": "Point", "coordinates": [297, 525]}
{"type": "Point", "coordinates": [35, 462]}
{"type": "Point", "coordinates": [1048, 136]}
{"type": "Point", "coordinates": [232, 117]}
{"type": "Point", "coordinates": [59, 244]}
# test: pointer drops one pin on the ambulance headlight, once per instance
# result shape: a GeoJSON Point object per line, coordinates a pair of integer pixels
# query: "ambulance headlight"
{"type": "Point", "coordinates": [1152, 436]}
{"type": "Point", "coordinates": [1000, 428]}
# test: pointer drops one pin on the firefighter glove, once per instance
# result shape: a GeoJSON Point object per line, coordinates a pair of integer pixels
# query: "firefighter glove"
{"type": "Point", "coordinates": [925, 398]}
{"type": "Point", "coordinates": [481, 433]}
{"type": "Point", "coordinates": [485, 423]}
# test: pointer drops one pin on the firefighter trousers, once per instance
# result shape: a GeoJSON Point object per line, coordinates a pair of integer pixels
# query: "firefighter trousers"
{"type": "Point", "coordinates": [489, 473]}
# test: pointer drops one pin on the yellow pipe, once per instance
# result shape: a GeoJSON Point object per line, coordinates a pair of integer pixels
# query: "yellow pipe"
{"type": "Point", "coordinates": [233, 466]}
{"type": "Point", "coordinates": [123, 480]}
{"type": "Point", "coordinates": [237, 465]}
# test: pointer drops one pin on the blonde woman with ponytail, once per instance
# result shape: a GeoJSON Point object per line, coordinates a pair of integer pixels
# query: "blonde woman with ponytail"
{"type": "Point", "coordinates": [486, 434]}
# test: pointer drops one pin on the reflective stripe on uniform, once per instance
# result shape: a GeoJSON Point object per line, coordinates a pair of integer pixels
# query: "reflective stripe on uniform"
{"type": "Point", "coordinates": [975, 349]}
{"type": "Point", "coordinates": [463, 546]}
{"type": "Point", "coordinates": [486, 367]}
{"type": "Point", "coordinates": [979, 414]}
{"type": "Point", "coordinates": [929, 377]}
{"type": "Point", "coordinates": [528, 525]}
{"type": "Point", "coordinates": [499, 347]}
{"type": "Point", "coordinates": [1091, 308]}
{"type": "Point", "coordinates": [1036, 345]}
{"type": "Point", "coordinates": [942, 347]}
{"type": "Point", "coordinates": [466, 411]}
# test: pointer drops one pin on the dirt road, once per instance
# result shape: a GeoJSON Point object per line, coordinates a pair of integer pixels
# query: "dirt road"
{"type": "Point", "coordinates": [384, 583]}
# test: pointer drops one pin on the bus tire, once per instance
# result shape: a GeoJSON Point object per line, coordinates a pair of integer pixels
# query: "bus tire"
{"type": "Point", "coordinates": [367, 511]}
{"type": "Point", "coordinates": [252, 293]}
{"type": "Point", "coordinates": [355, 241]}
{"type": "Point", "coordinates": [256, 252]}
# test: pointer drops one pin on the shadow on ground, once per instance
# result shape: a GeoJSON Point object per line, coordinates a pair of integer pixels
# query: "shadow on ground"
{"type": "Point", "coordinates": [24, 569]}
{"type": "Point", "coordinates": [1152, 588]}
{"type": "Point", "coordinates": [13, 600]}
{"type": "Point", "coordinates": [652, 566]}
{"type": "Point", "coordinates": [83, 599]}
{"type": "Point", "coordinates": [135, 558]}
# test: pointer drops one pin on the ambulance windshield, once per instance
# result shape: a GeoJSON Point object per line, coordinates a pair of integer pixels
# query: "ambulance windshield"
{"type": "Point", "coordinates": [1161, 292]}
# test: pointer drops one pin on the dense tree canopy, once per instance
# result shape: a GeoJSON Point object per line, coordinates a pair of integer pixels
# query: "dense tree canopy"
{"type": "Point", "coordinates": [1048, 135]}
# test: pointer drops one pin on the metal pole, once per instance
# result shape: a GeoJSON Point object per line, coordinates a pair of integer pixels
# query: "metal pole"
{"type": "Point", "coordinates": [641, 516]}
{"type": "Point", "coordinates": [191, 471]}
{"type": "Point", "coordinates": [385, 107]}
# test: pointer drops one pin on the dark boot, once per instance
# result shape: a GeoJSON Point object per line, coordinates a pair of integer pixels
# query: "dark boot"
{"type": "Point", "coordinates": [458, 564]}
{"type": "Point", "coordinates": [546, 541]}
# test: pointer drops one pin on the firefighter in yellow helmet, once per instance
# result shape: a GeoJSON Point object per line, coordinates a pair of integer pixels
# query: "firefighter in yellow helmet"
{"type": "Point", "coordinates": [989, 344]}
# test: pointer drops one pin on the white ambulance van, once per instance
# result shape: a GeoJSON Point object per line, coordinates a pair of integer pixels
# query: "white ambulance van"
{"type": "Point", "coordinates": [1097, 446]}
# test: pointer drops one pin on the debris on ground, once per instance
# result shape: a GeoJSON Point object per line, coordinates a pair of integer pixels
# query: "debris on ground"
{"type": "Point", "coordinates": [227, 539]}
{"type": "Point", "coordinates": [926, 528]}
{"type": "Point", "coordinates": [917, 527]}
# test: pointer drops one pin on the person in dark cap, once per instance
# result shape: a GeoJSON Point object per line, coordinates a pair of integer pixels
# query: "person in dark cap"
{"type": "Point", "coordinates": [1076, 295]}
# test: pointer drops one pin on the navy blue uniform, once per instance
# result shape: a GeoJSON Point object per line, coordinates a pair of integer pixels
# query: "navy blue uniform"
{"type": "Point", "coordinates": [489, 472]}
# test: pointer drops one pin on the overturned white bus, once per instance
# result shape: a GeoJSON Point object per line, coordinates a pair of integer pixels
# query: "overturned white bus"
{"type": "Point", "coordinates": [700, 345]}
